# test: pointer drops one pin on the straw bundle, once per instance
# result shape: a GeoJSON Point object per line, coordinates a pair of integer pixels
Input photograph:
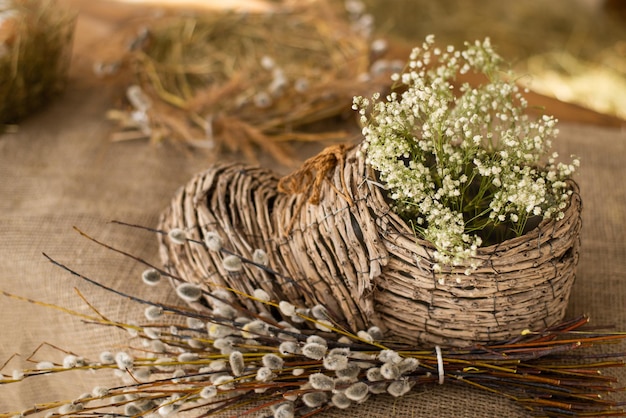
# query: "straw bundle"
{"type": "Point", "coordinates": [35, 49]}
{"type": "Point", "coordinates": [360, 260]}
{"type": "Point", "coordinates": [247, 81]}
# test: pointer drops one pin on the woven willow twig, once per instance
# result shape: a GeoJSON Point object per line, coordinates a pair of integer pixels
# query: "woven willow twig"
{"type": "Point", "coordinates": [352, 254]}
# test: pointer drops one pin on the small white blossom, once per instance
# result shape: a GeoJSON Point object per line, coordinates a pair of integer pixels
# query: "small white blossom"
{"type": "Point", "coordinates": [224, 382]}
{"type": "Point", "coordinates": [389, 371]}
{"type": "Point", "coordinates": [316, 339]}
{"type": "Point", "coordinates": [288, 347]}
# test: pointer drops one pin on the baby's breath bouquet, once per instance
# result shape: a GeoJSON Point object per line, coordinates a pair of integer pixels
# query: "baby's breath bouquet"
{"type": "Point", "coordinates": [464, 165]}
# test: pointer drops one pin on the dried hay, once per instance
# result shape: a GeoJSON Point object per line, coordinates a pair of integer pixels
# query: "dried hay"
{"type": "Point", "coordinates": [35, 49]}
{"type": "Point", "coordinates": [243, 81]}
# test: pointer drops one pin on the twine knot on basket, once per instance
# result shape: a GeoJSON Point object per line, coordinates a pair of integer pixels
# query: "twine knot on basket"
{"type": "Point", "coordinates": [308, 179]}
{"type": "Point", "coordinates": [334, 240]}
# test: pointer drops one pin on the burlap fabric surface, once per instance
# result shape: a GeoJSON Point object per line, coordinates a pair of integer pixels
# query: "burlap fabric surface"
{"type": "Point", "coordinates": [61, 171]}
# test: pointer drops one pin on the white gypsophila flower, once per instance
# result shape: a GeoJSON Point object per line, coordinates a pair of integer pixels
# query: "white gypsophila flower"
{"type": "Point", "coordinates": [459, 161]}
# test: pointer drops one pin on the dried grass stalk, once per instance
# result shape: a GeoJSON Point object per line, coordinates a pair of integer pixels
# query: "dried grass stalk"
{"type": "Point", "coordinates": [247, 81]}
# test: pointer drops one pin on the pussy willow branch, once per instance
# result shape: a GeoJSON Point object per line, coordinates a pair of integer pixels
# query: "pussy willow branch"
{"type": "Point", "coordinates": [534, 369]}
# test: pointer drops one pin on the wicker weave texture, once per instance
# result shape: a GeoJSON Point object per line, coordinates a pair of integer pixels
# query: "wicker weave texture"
{"type": "Point", "coordinates": [356, 257]}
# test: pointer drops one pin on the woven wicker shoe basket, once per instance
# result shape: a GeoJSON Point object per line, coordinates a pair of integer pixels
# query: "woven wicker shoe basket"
{"type": "Point", "coordinates": [353, 255]}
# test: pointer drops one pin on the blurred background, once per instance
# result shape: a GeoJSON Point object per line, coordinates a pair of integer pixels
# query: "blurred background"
{"type": "Point", "coordinates": [574, 50]}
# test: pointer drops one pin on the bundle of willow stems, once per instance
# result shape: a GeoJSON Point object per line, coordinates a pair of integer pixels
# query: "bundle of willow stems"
{"type": "Point", "coordinates": [209, 356]}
